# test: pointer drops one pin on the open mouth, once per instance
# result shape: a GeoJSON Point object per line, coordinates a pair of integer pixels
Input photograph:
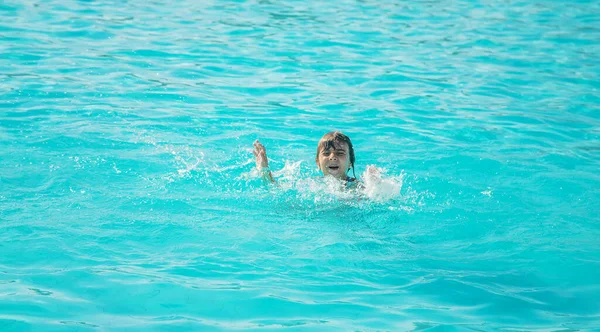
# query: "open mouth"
{"type": "Point", "coordinates": [334, 168]}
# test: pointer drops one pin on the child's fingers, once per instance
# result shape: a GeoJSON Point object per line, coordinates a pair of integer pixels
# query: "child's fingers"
{"type": "Point", "coordinates": [257, 148]}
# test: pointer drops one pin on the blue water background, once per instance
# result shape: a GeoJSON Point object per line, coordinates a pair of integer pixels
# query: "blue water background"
{"type": "Point", "coordinates": [128, 200]}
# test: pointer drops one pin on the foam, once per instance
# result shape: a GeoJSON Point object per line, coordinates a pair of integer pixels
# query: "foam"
{"type": "Point", "coordinates": [374, 185]}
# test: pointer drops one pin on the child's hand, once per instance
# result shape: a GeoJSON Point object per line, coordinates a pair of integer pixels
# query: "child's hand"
{"type": "Point", "coordinates": [372, 170]}
{"type": "Point", "coordinates": [261, 156]}
{"type": "Point", "coordinates": [373, 175]}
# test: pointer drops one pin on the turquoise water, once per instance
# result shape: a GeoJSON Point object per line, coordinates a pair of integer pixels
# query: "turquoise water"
{"type": "Point", "coordinates": [128, 199]}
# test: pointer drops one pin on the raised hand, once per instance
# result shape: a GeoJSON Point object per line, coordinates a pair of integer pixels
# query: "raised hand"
{"type": "Point", "coordinates": [260, 153]}
{"type": "Point", "coordinates": [262, 162]}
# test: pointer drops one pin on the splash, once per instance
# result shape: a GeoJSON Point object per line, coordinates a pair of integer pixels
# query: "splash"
{"type": "Point", "coordinates": [295, 182]}
{"type": "Point", "coordinates": [300, 187]}
{"type": "Point", "coordinates": [379, 188]}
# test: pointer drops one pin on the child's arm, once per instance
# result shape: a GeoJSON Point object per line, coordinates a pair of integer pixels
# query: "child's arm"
{"type": "Point", "coordinates": [262, 162]}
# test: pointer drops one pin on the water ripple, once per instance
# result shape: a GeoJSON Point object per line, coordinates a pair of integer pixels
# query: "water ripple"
{"type": "Point", "coordinates": [127, 197]}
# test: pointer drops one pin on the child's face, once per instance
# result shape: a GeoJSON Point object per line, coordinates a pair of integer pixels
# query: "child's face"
{"type": "Point", "coordinates": [335, 160]}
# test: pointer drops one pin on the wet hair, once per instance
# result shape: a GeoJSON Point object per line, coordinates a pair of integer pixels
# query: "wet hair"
{"type": "Point", "coordinates": [332, 140]}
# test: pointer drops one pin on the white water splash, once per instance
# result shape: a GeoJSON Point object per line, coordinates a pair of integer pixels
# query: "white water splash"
{"type": "Point", "coordinates": [379, 188]}
{"type": "Point", "coordinates": [372, 186]}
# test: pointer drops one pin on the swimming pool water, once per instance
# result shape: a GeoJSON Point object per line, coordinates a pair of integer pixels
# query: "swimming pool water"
{"type": "Point", "coordinates": [128, 199]}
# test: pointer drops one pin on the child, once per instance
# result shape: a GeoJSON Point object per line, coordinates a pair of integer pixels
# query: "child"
{"type": "Point", "coordinates": [335, 157]}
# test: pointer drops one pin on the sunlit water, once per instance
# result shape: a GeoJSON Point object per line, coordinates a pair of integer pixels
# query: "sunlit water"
{"type": "Point", "coordinates": [128, 198]}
